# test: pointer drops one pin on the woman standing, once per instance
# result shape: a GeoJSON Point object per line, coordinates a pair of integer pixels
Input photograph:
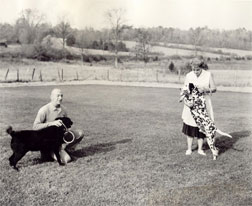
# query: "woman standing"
{"type": "Point", "coordinates": [203, 80]}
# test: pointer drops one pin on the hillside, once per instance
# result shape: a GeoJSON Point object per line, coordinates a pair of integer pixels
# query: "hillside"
{"type": "Point", "coordinates": [159, 49]}
{"type": "Point", "coordinates": [188, 50]}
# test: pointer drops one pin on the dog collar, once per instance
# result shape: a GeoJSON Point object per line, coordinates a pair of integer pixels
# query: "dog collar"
{"type": "Point", "coordinates": [64, 126]}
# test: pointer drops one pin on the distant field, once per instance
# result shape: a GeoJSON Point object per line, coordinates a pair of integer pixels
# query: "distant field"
{"type": "Point", "coordinates": [133, 152]}
{"type": "Point", "coordinates": [75, 50]}
{"type": "Point", "coordinates": [181, 50]}
{"type": "Point", "coordinates": [225, 50]}
{"type": "Point", "coordinates": [188, 50]}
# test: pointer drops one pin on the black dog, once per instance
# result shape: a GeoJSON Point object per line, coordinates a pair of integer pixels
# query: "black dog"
{"type": "Point", "coordinates": [47, 139]}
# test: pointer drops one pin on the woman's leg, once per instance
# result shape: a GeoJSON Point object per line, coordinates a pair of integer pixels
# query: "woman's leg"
{"type": "Point", "coordinates": [200, 144]}
{"type": "Point", "coordinates": [189, 145]}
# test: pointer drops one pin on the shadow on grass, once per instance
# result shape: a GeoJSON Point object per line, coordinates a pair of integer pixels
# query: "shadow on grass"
{"type": "Point", "coordinates": [98, 148]}
{"type": "Point", "coordinates": [85, 151]}
{"type": "Point", "coordinates": [226, 143]}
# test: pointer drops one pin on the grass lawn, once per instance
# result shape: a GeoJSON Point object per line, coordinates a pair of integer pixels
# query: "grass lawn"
{"type": "Point", "coordinates": [134, 151]}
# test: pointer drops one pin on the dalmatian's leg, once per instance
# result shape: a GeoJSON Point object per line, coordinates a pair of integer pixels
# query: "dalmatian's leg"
{"type": "Point", "coordinates": [210, 141]}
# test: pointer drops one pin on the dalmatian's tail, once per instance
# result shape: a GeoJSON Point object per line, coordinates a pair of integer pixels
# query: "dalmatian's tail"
{"type": "Point", "coordinates": [223, 133]}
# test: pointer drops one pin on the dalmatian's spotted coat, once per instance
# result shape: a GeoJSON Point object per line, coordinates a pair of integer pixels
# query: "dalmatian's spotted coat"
{"type": "Point", "coordinates": [197, 103]}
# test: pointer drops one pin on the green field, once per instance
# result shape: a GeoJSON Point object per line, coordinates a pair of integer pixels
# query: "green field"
{"type": "Point", "coordinates": [133, 152]}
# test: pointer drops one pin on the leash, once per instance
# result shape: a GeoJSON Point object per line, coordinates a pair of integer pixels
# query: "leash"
{"type": "Point", "coordinates": [64, 126]}
{"type": "Point", "coordinates": [67, 132]}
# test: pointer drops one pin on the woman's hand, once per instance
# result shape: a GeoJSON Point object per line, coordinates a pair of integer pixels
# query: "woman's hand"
{"type": "Point", "coordinates": [188, 103]}
{"type": "Point", "coordinates": [202, 89]}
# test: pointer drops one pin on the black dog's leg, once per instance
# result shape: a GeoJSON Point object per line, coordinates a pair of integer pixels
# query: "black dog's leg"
{"type": "Point", "coordinates": [17, 156]}
{"type": "Point", "coordinates": [11, 159]}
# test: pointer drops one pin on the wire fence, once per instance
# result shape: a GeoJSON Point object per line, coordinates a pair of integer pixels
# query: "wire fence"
{"type": "Point", "coordinates": [239, 78]}
{"type": "Point", "coordinates": [78, 74]}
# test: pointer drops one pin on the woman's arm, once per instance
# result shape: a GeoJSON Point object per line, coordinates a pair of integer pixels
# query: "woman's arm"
{"type": "Point", "coordinates": [212, 87]}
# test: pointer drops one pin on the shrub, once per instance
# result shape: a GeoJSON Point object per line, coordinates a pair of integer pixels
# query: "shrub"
{"type": "Point", "coordinates": [109, 46]}
{"type": "Point", "coordinates": [171, 67]}
{"type": "Point", "coordinates": [249, 57]}
{"type": "Point", "coordinates": [155, 58]}
{"type": "Point", "coordinates": [84, 57]}
{"type": "Point", "coordinates": [43, 53]}
{"type": "Point", "coordinates": [91, 58]}
{"type": "Point", "coordinates": [122, 47]}
{"type": "Point", "coordinates": [28, 50]}
{"type": "Point", "coordinates": [70, 40]}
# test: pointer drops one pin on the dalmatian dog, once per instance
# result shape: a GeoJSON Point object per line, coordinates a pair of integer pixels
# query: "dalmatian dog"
{"type": "Point", "coordinates": [197, 104]}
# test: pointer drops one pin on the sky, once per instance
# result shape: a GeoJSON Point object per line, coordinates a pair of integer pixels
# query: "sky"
{"type": "Point", "coordinates": [182, 14]}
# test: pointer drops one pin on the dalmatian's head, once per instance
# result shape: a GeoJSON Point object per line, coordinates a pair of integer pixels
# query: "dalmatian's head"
{"type": "Point", "coordinates": [193, 89]}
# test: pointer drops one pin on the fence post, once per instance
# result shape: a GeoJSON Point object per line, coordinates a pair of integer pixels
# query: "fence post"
{"type": "Point", "coordinates": [77, 75]}
{"type": "Point", "coordinates": [59, 74]}
{"type": "Point", "coordinates": [62, 75]}
{"type": "Point", "coordinates": [17, 75]}
{"type": "Point", "coordinates": [108, 75]}
{"type": "Point", "coordinates": [40, 76]}
{"type": "Point", "coordinates": [6, 75]}
{"type": "Point", "coordinates": [235, 84]}
{"type": "Point", "coordinates": [179, 74]}
{"type": "Point", "coordinates": [95, 76]}
{"type": "Point", "coordinates": [33, 72]}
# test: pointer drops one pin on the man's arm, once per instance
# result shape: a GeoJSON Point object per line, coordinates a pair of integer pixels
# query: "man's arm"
{"type": "Point", "coordinates": [40, 120]}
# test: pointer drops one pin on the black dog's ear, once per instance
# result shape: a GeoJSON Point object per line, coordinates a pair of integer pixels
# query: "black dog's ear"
{"type": "Point", "coordinates": [67, 121]}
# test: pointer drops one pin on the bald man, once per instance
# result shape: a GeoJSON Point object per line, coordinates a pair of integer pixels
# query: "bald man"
{"type": "Point", "coordinates": [46, 117]}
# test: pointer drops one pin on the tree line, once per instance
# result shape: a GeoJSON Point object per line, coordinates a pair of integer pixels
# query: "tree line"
{"type": "Point", "coordinates": [31, 28]}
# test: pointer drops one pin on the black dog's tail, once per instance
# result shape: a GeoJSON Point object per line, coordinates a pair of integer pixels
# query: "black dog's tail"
{"type": "Point", "coordinates": [9, 130]}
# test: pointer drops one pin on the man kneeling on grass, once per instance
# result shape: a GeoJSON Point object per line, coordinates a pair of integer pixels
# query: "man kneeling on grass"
{"type": "Point", "coordinates": [46, 117]}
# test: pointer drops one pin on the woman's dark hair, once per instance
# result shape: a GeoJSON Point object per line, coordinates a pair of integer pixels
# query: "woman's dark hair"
{"type": "Point", "coordinates": [203, 65]}
{"type": "Point", "coordinates": [196, 62]}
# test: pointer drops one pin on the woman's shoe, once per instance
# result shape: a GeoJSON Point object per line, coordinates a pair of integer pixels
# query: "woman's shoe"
{"type": "Point", "coordinates": [188, 152]}
{"type": "Point", "coordinates": [201, 152]}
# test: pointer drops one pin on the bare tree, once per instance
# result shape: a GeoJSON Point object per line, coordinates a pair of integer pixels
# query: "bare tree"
{"type": "Point", "coordinates": [6, 32]}
{"type": "Point", "coordinates": [142, 48]}
{"type": "Point", "coordinates": [116, 20]}
{"type": "Point", "coordinates": [197, 37]}
{"type": "Point", "coordinates": [82, 41]}
{"type": "Point", "coordinates": [27, 25]}
{"type": "Point", "coordinates": [63, 29]}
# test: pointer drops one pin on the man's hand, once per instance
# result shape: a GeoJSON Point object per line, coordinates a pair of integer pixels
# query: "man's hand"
{"type": "Point", "coordinates": [56, 123]}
